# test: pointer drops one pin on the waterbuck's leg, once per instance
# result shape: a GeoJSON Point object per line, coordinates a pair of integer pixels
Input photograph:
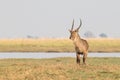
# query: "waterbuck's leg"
{"type": "Point", "coordinates": [78, 58]}
{"type": "Point", "coordinates": [84, 57]}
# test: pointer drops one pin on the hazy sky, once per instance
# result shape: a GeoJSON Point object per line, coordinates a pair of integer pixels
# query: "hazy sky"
{"type": "Point", "coordinates": [53, 18]}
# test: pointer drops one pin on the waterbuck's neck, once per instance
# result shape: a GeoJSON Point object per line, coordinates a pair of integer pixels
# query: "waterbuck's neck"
{"type": "Point", "coordinates": [77, 39]}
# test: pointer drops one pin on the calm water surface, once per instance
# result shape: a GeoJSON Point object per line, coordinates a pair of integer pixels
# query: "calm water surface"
{"type": "Point", "coordinates": [52, 55]}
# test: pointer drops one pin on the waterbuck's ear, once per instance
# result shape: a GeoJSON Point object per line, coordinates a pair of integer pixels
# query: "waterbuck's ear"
{"type": "Point", "coordinates": [69, 30]}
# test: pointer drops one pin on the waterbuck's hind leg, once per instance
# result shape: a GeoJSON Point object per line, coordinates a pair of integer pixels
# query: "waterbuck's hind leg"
{"type": "Point", "coordinates": [84, 58]}
{"type": "Point", "coordinates": [78, 58]}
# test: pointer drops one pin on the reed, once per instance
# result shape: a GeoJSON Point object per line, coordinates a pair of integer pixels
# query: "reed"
{"type": "Point", "coordinates": [57, 45]}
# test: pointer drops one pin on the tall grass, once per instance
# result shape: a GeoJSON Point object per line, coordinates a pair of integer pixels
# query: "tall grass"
{"type": "Point", "coordinates": [104, 45]}
{"type": "Point", "coordinates": [56, 45]}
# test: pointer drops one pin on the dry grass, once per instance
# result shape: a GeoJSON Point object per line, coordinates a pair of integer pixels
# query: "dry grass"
{"type": "Point", "coordinates": [104, 45]}
{"type": "Point", "coordinates": [59, 69]}
{"type": "Point", "coordinates": [56, 45]}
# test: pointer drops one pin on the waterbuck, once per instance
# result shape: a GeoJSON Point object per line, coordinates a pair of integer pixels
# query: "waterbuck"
{"type": "Point", "coordinates": [81, 45]}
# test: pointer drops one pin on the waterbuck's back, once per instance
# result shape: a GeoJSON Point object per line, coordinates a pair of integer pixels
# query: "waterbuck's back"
{"type": "Point", "coordinates": [85, 43]}
{"type": "Point", "coordinates": [81, 46]}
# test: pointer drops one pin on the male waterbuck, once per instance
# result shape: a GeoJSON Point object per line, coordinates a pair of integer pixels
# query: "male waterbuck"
{"type": "Point", "coordinates": [81, 45]}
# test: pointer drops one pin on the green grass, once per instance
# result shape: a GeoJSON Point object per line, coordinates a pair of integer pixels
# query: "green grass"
{"type": "Point", "coordinates": [59, 69]}
{"type": "Point", "coordinates": [57, 45]}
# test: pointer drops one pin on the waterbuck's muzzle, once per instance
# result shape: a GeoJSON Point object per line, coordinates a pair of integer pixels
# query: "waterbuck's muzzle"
{"type": "Point", "coordinates": [71, 37]}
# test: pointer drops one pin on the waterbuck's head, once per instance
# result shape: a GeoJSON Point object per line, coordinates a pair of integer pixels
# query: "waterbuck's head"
{"type": "Point", "coordinates": [74, 33]}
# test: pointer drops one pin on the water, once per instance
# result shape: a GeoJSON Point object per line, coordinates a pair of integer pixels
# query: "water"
{"type": "Point", "coordinates": [52, 55]}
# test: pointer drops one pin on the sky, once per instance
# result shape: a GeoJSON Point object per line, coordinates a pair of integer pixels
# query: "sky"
{"type": "Point", "coordinates": [53, 18]}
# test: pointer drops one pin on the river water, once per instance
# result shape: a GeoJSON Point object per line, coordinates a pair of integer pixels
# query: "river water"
{"type": "Point", "coordinates": [39, 55]}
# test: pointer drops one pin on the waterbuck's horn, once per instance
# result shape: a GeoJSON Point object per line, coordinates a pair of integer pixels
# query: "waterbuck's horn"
{"type": "Point", "coordinates": [72, 25]}
{"type": "Point", "coordinates": [80, 24]}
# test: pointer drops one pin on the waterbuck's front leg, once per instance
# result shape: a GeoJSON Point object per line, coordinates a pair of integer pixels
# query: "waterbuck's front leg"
{"type": "Point", "coordinates": [78, 58]}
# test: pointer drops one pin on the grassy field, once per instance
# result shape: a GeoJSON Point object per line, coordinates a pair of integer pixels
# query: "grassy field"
{"type": "Point", "coordinates": [57, 45]}
{"type": "Point", "coordinates": [60, 69]}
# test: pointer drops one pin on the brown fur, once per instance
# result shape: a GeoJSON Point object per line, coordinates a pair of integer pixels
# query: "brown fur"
{"type": "Point", "coordinates": [81, 45]}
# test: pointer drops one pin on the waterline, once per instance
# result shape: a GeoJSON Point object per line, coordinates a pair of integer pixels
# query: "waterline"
{"type": "Point", "coordinates": [52, 55]}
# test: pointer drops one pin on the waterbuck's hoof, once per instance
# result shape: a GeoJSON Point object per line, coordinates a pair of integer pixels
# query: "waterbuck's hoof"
{"type": "Point", "coordinates": [78, 64]}
{"type": "Point", "coordinates": [84, 64]}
